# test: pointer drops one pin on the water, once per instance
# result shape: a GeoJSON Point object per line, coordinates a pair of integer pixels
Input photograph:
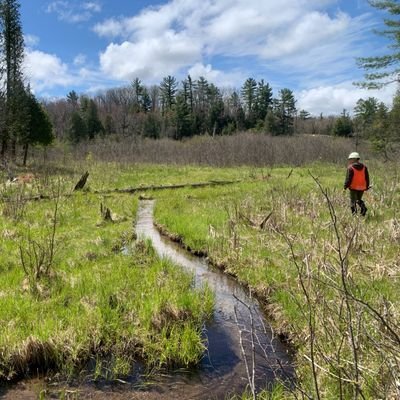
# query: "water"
{"type": "Point", "coordinates": [237, 333]}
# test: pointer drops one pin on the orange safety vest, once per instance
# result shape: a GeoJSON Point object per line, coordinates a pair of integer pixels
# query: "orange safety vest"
{"type": "Point", "coordinates": [358, 182]}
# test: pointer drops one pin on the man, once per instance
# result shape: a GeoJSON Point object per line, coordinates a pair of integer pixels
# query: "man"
{"type": "Point", "coordinates": [357, 181]}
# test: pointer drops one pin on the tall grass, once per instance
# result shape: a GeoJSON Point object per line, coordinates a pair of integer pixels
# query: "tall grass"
{"type": "Point", "coordinates": [330, 280]}
{"type": "Point", "coordinates": [96, 305]}
{"type": "Point", "coordinates": [221, 151]}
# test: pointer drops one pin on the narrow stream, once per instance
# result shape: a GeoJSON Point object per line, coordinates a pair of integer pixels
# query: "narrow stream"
{"type": "Point", "coordinates": [238, 324]}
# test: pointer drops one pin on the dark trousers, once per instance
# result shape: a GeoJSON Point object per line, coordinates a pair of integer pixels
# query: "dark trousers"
{"type": "Point", "coordinates": [356, 199]}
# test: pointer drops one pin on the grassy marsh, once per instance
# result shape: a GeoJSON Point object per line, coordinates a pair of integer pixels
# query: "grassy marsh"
{"type": "Point", "coordinates": [328, 280]}
{"type": "Point", "coordinates": [93, 301]}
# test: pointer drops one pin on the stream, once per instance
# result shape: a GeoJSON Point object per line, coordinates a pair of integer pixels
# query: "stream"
{"type": "Point", "coordinates": [242, 350]}
{"type": "Point", "coordinates": [238, 331]}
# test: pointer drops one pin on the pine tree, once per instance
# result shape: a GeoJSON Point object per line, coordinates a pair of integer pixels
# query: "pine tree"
{"type": "Point", "coordinates": [138, 91]}
{"type": "Point", "coordinates": [146, 101]}
{"type": "Point", "coordinates": [77, 129]}
{"type": "Point", "coordinates": [249, 96]}
{"type": "Point", "coordinates": [73, 99]}
{"type": "Point", "coordinates": [263, 100]}
{"type": "Point", "coordinates": [281, 119]}
{"type": "Point", "coordinates": [182, 117]}
{"type": "Point", "coordinates": [40, 130]}
{"type": "Point", "coordinates": [380, 131]}
{"type": "Point", "coordinates": [168, 88]}
{"type": "Point", "coordinates": [383, 70]}
{"type": "Point", "coordinates": [236, 111]}
{"type": "Point", "coordinates": [93, 123]}
{"type": "Point", "coordinates": [343, 125]}
{"type": "Point", "coordinates": [12, 52]}
{"type": "Point", "coordinates": [364, 112]}
{"type": "Point", "coordinates": [215, 113]}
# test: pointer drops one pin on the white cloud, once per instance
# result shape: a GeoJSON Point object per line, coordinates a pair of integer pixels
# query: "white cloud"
{"type": "Point", "coordinates": [73, 11]}
{"type": "Point", "coordinates": [80, 59]}
{"type": "Point", "coordinates": [31, 40]}
{"type": "Point", "coordinates": [110, 28]}
{"type": "Point", "coordinates": [184, 33]}
{"type": "Point", "coordinates": [46, 70]}
{"type": "Point", "coordinates": [220, 78]}
{"type": "Point", "coordinates": [151, 58]}
{"type": "Point", "coordinates": [92, 6]}
{"type": "Point", "coordinates": [333, 99]}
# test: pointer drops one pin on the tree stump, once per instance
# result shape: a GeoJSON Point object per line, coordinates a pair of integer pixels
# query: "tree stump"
{"type": "Point", "coordinates": [82, 181]}
{"type": "Point", "coordinates": [105, 213]}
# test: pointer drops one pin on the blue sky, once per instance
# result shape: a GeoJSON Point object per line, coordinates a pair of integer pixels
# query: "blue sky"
{"type": "Point", "coordinates": [308, 46]}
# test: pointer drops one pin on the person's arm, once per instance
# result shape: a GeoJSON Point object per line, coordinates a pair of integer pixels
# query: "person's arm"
{"type": "Point", "coordinates": [349, 177]}
{"type": "Point", "coordinates": [367, 177]}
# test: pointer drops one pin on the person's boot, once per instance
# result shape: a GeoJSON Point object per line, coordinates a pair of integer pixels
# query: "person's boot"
{"type": "Point", "coordinates": [353, 210]}
{"type": "Point", "coordinates": [363, 208]}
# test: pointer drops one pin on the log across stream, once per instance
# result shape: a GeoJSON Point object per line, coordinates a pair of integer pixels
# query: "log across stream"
{"type": "Point", "coordinates": [242, 351]}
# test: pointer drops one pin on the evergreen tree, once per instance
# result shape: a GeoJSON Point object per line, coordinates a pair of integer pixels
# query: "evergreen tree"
{"type": "Point", "coordinates": [77, 129]}
{"type": "Point", "coordinates": [365, 112]}
{"type": "Point", "coordinates": [12, 53]}
{"type": "Point", "coordinates": [182, 117]}
{"type": "Point", "coordinates": [272, 123]}
{"type": "Point", "coordinates": [384, 131]}
{"type": "Point", "coordinates": [146, 101]}
{"type": "Point", "coordinates": [152, 126]}
{"type": "Point", "coordinates": [187, 93]}
{"type": "Point", "coordinates": [168, 88]}
{"type": "Point", "coordinates": [138, 91]}
{"type": "Point", "coordinates": [263, 100]}
{"type": "Point", "coordinates": [18, 116]}
{"type": "Point", "coordinates": [73, 99]}
{"type": "Point", "coordinates": [93, 123]}
{"type": "Point", "coordinates": [281, 119]}
{"type": "Point", "coordinates": [215, 113]}
{"type": "Point", "coordinates": [249, 96]}
{"type": "Point", "coordinates": [382, 70]}
{"type": "Point", "coordinates": [304, 115]}
{"type": "Point", "coordinates": [190, 87]}
{"type": "Point", "coordinates": [40, 129]}
{"type": "Point", "coordinates": [380, 132]}
{"type": "Point", "coordinates": [343, 125]}
{"type": "Point", "coordinates": [201, 95]}
{"type": "Point", "coordinates": [236, 111]}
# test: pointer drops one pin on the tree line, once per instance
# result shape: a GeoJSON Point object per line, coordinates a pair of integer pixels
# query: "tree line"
{"type": "Point", "coordinates": [170, 109]}
{"type": "Point", "coordinates": [174, 110]}
{"type": "Point", "coordinates": [197, 107]}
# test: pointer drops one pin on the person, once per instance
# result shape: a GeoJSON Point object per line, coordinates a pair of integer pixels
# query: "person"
{"type": "Point", "coordinates": [357, 181]}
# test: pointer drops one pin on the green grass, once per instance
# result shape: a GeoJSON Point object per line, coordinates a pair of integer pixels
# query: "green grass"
{"type": "Point", "coordinates": [95, 301]}
{"type": "Point", "coordinates": [225, 221]}
{"type": "Point", "coordinates": [99, 301]}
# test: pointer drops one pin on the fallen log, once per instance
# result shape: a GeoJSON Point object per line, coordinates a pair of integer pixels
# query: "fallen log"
{"type": "Point", "coordinates": [128, 190]}
{"type": "Point", "coordinates": [162, 187]}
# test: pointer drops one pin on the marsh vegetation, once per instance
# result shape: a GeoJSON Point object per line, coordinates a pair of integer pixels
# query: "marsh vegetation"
{"type": "Point", "coordinates": [72, 301]}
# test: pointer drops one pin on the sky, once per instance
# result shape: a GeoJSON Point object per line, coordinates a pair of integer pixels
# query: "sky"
{"type": "Point", "coordinates": [308, 46]}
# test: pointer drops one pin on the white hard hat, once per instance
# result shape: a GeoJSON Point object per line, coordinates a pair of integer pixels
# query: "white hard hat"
{"type": "Point", "coordinates": [354, 155]}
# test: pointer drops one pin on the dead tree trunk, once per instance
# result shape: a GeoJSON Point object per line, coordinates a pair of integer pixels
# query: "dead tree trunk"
{"type": "Point", "coordinates": [82, 182]}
